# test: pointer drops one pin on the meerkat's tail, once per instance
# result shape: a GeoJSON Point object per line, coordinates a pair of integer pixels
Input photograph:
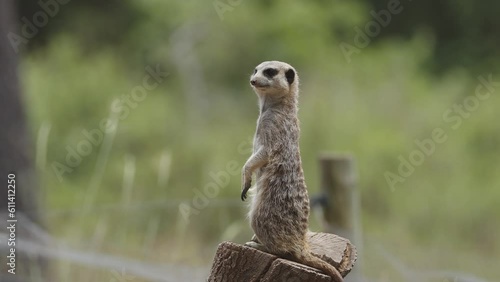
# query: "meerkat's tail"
{"type": "Point", "coordinates": [308, 259]}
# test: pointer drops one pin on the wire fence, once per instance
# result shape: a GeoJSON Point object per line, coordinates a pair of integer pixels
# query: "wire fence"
{"type": "Point", "coordinates": [126, 269]}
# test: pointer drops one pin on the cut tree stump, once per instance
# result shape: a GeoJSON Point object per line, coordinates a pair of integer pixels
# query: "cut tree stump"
{"type": "Point", "coordinates": [234, 262]}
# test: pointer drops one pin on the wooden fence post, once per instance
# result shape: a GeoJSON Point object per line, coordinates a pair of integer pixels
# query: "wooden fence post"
{"type": "Point", "coordinates": [338, 180]}
{"type": "Point", "coordinates": [341, 205]}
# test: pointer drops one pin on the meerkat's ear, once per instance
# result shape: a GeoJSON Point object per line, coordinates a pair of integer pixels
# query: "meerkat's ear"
{"type": "Point", "coordinates": [290, 76]}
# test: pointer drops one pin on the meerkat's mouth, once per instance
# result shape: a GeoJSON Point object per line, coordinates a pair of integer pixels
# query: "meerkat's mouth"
{"type": "Point", "coordinates": [260, 86]}
{"type": "Point", "coordinates": [257, 83]}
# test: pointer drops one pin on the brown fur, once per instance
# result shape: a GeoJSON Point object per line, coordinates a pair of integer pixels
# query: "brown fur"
{"type": "Point", "coordinates": [279, 210]}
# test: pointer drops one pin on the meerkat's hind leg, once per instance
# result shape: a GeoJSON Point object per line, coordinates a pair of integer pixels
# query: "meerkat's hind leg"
{"type": "Point", "coordinates": [255, 243]}
{"type": "Point", "coordinates": [255, 239]}
{"type": "Point", "coordinates": [257, 246]}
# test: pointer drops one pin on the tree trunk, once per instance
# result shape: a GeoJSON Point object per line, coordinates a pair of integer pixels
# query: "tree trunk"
{"type": "Point", "coordinates": [15, 159]}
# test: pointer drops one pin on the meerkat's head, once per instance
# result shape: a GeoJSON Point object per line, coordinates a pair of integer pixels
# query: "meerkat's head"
{"type": "Point", "coordinates": [274, 79]}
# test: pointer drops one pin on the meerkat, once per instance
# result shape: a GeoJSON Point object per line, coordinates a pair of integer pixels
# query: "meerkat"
{"type": "Point", "coordinates": [279, 211]}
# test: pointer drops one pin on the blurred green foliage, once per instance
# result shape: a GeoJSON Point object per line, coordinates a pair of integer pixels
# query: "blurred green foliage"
{"type": "Point", "coordinates": [374, 107]}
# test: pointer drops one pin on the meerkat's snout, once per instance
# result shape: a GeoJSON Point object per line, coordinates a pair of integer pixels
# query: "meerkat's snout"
{"type": "Point", "coordinates": [259, 82]}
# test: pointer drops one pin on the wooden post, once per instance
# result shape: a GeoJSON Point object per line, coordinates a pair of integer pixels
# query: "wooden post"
{"type": "Point", "coordinates": [235, 262]}
{"type": "Point", "coordinates": [341, 208]}
{"type": "Point", "coordinates": [337, 185]}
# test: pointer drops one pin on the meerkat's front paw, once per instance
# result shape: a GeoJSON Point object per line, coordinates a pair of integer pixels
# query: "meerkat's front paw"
{"type": "Point", "coordinates": [245, 189]}
{"type": "Point", "coordinates": [246, 184]}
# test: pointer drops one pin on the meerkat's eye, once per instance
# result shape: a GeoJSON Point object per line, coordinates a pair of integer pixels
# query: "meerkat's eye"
{"type": "Point", "coordinates": [254, 71]}
{"type": "Point", "coordinates": [270, 73]}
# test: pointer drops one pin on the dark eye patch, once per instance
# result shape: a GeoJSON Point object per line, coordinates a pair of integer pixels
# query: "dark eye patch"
{"type": "Point", "coordinates": [270, 72]}
{"type": "Point", "coordinates": [254, 71]}
{"type": "Point", "coordinates": [290, 76]}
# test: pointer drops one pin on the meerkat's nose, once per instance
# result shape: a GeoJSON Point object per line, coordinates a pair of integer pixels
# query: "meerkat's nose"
{"type": "Point", "coordinates": [253, 82]}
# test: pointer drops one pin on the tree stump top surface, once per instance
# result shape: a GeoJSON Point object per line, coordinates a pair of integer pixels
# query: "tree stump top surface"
{"type": "Point", "coordinates": [234, 262]}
